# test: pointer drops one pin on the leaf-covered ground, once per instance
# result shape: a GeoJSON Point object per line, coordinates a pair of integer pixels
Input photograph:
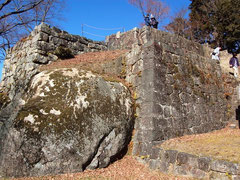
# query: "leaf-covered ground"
{"type": "Point", "coordinates": [127, 168]}
{"type": "Point", "coordinates": [89, 60]}
{"type": "Point", "coordinates": [223, 144]}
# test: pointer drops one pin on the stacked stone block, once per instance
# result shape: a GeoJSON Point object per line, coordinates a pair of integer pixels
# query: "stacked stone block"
{"type": "Point", "coordinates": [22, 61]}
{"type": "Point", "coordinates": [180, 163]}
{"type": "Point", "coordinates": [178, 90]}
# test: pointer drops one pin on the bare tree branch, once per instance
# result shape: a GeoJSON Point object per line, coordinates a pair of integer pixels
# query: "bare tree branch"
{"type": "Point", "coordinates": [19, 17]}
{"type": "Point", "coordinates": [179, 25]}
{"type": "Point", "coordinates": [4, 4]}
{"type": "Point", "coordinates": [24, 23]}
{"type": "Point", "coordinates": [155, 7]}
{"type": "Point", "coordinates": [20, 10]}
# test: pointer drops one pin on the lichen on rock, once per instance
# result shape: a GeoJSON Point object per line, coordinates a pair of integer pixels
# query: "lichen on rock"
{"type": "Point", "coordinates": [75, 118]}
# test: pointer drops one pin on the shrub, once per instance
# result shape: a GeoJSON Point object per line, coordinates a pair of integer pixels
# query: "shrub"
{"type": "Point", "coordinates": [63, 53]}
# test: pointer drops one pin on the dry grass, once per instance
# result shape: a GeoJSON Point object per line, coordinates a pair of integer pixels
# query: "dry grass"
{"type": "Point", "coordinates": [223, 144]}
{"type": "Point", "coordinates": [91, 61]}
{"type": "Point", "coordinates": [86, 60]}
{"type": "Point", "coordinates": [224, 61]}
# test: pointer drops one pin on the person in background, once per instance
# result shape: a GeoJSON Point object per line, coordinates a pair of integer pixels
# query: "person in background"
{"type": "Point", "coordinates": [153, 22]}
{"type": "Point", "coordinates": [215, 54]}
{"type": "Point", "coordinates": [147, 20]}
{"type": "Point", "coordinates": [234, 63]}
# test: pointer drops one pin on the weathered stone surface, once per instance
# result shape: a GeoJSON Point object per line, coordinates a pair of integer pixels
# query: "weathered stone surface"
{"type": "Point", "coordinates": [174, 92]}
{"type": "Point", "coordinates": [38, 48]}
{"type": "Point", "coordinates": [217, 175]}
{"type": "Point", "coordinates": [37, 58]}
{"type": "Point", "coordinates": [224, 166]}
{"type": "Point", "coordinates": [155, 153]}
{"type": "Point", "coordinates": [69, 120]}
{"type": "Point", "coordinates": [234, 177]}
{"type": "Point", "coordinates": [204, 164]}
{"type": "Point", "coordinates": [180, 91]}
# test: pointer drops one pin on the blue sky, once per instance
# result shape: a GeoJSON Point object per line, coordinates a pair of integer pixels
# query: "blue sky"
{"type": "Point", "coordinates": [105, 14]}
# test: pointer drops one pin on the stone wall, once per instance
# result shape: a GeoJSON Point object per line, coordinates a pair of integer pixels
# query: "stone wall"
{"type": "Point", "coordinates": [178, 89]}
{"type": "Point", "coordinates": [22, 61]}
{"type": "Point", "coordinates": [123, 40]}
{"type": "Point", "coordinates": [180, 163]}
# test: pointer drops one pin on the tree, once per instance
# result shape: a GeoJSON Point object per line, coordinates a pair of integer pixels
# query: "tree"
{"type": "Point", "coordinates": [19, 17]}
{"type": "Point", "coordinates": [226, 21]}
{"type": "Point", "coordinates": [201, 19]}
{"type": "Point", "coordinates": [216, 22]}
{"type": "Point", "coordinates": [10, 9]}
{"type": "Point", "coordinates": [179, 24]}
{"type": "Point", "coordinates": [155, 7]}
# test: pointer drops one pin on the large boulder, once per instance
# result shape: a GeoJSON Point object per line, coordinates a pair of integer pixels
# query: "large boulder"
{"type": "Point", "coordinates": [70, 120]}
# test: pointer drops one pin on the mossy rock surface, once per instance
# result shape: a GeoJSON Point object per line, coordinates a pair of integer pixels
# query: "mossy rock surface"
{"type": "Point", "coordinates": [63, 53]}
{"type": "Point", "coordinates": [4, 100]}
{"type": "Point", "coordinates": [71, 120]}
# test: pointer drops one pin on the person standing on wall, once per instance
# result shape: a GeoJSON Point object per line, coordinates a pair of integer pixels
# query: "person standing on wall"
{"type": "Point", "coordinates": [147, 20]}
{"type": "Point", "coordinates": [234, 63]}
{"type": "Point", "coordinates": [215, 54]}
{"type": "Point", "coordinates": [153, 22]}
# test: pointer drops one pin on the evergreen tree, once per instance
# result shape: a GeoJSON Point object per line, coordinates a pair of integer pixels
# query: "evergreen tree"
{"type": "Point", "coordinates": [201, 19]}
{"type": "Point", "coordinates": [217, 22]}
{"type": "Point", "coordinates": [227, 23]}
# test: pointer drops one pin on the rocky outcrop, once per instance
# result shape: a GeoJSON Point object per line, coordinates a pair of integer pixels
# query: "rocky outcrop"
{"type": "Point", "coordinates": [69, 120]}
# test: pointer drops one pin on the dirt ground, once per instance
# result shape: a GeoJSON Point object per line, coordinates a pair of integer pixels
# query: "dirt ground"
{"type": "Point", "coordinates": [127, 168]}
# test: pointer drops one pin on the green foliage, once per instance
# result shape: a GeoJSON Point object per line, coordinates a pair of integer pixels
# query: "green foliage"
{"type": "Point", "coordinates": [216, 21]}
{"type": "Point", "coordinates": [63, 53]}
{"type": "Point", "coordinates": [227, 22]}
{"type": "Point", "coordinates": [200, 18]}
